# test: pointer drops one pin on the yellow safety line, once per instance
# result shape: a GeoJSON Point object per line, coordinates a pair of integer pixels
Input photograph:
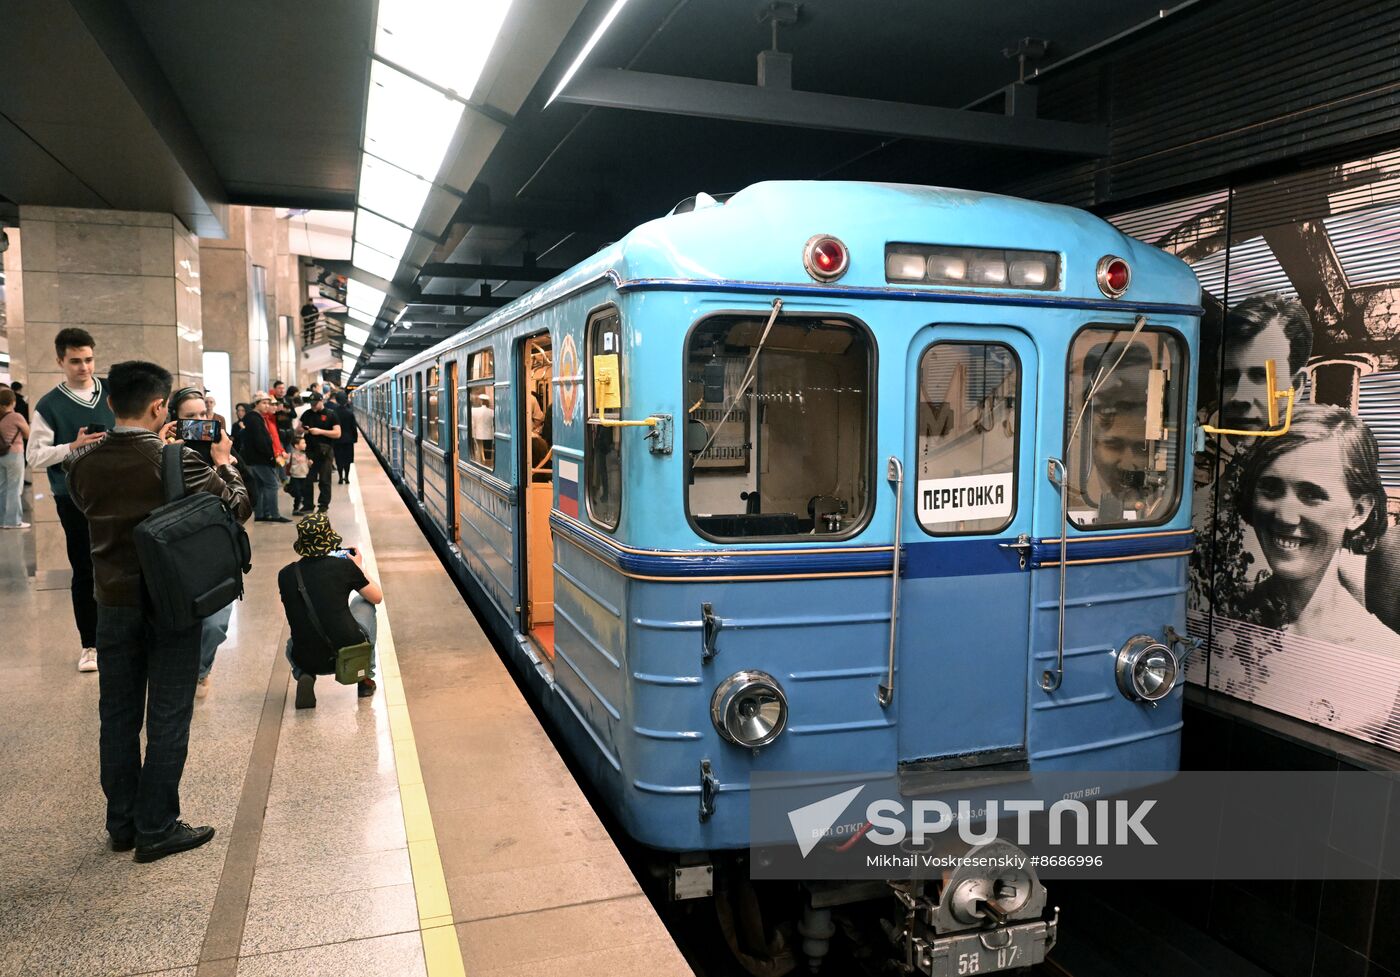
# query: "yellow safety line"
{"type": "Point", "coordinates": [441, 952]}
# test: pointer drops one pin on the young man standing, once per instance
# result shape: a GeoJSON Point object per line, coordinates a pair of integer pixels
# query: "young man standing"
{"type": "Point", "coordinates": [68, 417]}
{"type": "Point", "coordinates": [147, 669]}
{"type": "Point", "coordinates": [322, 427]}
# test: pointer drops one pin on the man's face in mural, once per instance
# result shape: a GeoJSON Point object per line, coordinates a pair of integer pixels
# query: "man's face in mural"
{"type": "Point", "coordinates": [1303, 510]}
{"type": "Point", "coordinates": [1245, 394]}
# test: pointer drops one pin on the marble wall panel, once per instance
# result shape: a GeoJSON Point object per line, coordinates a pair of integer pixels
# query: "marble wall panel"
{"type": "Point", "coordinates": [156, 251]}
{"type": "Point", "coordinates": [81, 215]}
{"type": "Point", "coordinates": [40, 252]}
{"type": "Point", "coordinates": [15, 334]}
{"type": "Point", "coordinates": [70, 299]}
{"type": "Point", "coordinates": [159, 306]}
{"type": "Point", "coordinates": [186, 254]}
{"type": "Point", "coordinates": [237, 240]}
{"type": "Point", "coordinates": [104, 249]}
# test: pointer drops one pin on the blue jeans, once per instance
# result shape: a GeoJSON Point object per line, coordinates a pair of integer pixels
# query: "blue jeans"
{"type": "Point", "coordinates": [213, 634]}
{"type": "Point", "coordinates": [12, 486]}
{"type": "Point", "coordinates": [265, 488]}
{"type": "Point", "coordinates": [364, 613]}
{"type": "Point", "coordinates": [145, 673]}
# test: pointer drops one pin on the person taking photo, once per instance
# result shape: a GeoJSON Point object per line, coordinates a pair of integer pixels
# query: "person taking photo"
{"type": "Point", "coordinates": [147, 669]}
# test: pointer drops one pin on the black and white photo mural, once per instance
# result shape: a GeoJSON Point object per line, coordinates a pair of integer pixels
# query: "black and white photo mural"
{"type": "Point", "coordinates": [1295, 580]}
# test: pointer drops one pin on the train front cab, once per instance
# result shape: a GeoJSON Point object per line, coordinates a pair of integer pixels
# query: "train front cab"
{"type": "Point", "coordinates": [771, 551]}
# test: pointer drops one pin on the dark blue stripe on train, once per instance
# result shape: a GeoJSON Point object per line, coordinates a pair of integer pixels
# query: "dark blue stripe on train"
{"type": "Point", "coordinates": [932, 558]}
{"type": "Point", "coordinates": [719, 563]}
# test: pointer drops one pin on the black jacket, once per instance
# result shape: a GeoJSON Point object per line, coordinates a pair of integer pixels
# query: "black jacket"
{"type": "Point", "coordinates": [256, 442]}
{"type": "Point", "coordinates": [116, 482]}
{"type": "Point", "coordinates": [349, 429]}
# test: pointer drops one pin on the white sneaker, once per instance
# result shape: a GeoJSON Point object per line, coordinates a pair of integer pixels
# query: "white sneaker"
{"type": "Point", "coordinates": [202, 688]}
{"type": "Point", "coordinates": [88, 662]}
{"type": "Point", "coordinates": [18, 525]}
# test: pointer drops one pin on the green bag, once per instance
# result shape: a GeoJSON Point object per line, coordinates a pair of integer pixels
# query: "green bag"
{"type": "Point", "coordinates": [353, 662]}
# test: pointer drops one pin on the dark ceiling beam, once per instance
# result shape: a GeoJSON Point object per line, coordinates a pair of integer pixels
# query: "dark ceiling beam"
{"type": "Point", "coordinates": [418, 333]}
{"type": "Point", "coordinates": [447, 319]}
{"type": "Point", "coordinates": [511, 273]}
{"type": "Point", "coordinates": [117, 34]}
{"type": "Point", "coordinates": [454, 302]}
{"type": "Point", "coordinates": [543, 218]}
{"type": "Point", "coordinates": [670, 95]}
{"type": "Point", "coordinates": [298, 198]}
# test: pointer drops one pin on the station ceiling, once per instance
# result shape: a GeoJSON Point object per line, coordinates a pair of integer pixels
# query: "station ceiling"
{"type": "Point", "coordinates": [188, 106]}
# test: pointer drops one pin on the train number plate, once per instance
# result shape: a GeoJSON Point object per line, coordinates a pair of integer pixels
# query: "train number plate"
{"type": "Point", "coordinates": [984, 953]}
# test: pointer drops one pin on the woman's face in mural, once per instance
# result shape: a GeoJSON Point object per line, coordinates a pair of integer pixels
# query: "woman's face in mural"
{"type": "Point", "coordinates": [1303, 510]}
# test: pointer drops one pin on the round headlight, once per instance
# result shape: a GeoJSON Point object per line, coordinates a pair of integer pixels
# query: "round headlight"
{"type": "Point", "coordinates": [749, 709]}
{"type": "Point", "coordinates": [1146, 669]}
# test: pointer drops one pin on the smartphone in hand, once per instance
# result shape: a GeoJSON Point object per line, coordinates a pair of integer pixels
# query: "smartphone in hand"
{"type": "Point", "coordinates": [195, 429]}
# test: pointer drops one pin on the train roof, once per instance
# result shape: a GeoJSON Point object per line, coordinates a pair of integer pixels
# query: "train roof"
{"type": "Point", "coordinates": [759, 236]}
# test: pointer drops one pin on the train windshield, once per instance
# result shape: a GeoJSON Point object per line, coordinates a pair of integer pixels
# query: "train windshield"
{"type": "Point", "coordinates": [778, 427]}
{"type": "Point", "coordinates": [1124, 456]}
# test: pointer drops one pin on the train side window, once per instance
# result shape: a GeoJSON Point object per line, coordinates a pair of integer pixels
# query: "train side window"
{"type": "Point", "coordinates": [778, 427]}
{"type": "Point", "coordinates": [478, 410]}
{"type": "Point", "coordinates": [968, 412]}
{"type": "Point", "coordinates": [1124, 426]}
{"type": "Point", "coordinates": [431, 397]}
{"type": "Point", "coordinates": [602, 455]}
{"type": "Point", "coordinates": [410, 403]}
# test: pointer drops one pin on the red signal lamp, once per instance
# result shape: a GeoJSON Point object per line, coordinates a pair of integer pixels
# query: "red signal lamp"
{"type": "Point", "coordinates": [826, 258]}
{"type": "Point", "coordinates": [1113, 276]}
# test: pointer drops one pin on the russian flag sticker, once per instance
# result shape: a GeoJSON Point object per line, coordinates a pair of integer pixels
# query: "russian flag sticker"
{"type": "Point", "coordinates": [568, 488]}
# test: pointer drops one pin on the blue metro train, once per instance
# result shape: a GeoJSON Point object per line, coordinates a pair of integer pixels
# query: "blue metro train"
{"type": "Point", "coordinates": [828, 476]}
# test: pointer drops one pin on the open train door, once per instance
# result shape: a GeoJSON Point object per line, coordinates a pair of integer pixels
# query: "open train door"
{"type": "Point", "coordinates": [535, 411]}
{"type": "Point", "coordinates": [960, 684]}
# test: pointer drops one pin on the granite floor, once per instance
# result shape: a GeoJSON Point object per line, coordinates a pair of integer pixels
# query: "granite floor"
{"type": "Point", "coordinates": [317, 868]}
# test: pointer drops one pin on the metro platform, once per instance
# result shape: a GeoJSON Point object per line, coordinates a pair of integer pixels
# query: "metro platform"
{"type": "Point", "coordinates": [430, 830]}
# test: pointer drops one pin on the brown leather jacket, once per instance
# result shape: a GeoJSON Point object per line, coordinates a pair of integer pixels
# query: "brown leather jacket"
{"type": "Point", "coordinates": [116, 483]}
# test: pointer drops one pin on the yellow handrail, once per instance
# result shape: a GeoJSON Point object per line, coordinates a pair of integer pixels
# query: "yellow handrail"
{"type": "Point", "coordinates": [1275, 394]}
{"type": "Point", "coordinates": [602, 421]}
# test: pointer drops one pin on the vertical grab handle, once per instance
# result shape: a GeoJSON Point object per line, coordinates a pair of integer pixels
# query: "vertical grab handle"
{"type": "Point", "coordinates": [1059, 475]}
{"type": "Point", "coordinates": [895, 473]}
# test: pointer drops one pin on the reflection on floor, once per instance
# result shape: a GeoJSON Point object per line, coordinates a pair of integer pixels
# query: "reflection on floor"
{"type": "Point", "coordinates": [338, 852]}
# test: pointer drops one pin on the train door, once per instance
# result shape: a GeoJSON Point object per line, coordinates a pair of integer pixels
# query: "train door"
{"type": "Point", "coordinates": [415, 446]}
{"type": "Point", "coordinates": [393, 436]}
{"type": "Point", "coordinates": [449, 414]}
{"type": "Point", "coordinates": [964, 608]}
{"type": "Point", "coordinates": [534, 409]}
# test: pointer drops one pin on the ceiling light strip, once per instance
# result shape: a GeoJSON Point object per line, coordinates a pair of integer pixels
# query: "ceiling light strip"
{"type": "Point", "coordinates": [587, 49]}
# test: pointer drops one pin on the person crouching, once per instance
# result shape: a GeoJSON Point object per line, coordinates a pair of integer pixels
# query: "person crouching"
{"type": "Point", "coordinates": [329, 575]}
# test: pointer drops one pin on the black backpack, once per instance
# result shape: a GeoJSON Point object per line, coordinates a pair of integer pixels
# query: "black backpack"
{"type": "Point", "coordinates": [193, 551]}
